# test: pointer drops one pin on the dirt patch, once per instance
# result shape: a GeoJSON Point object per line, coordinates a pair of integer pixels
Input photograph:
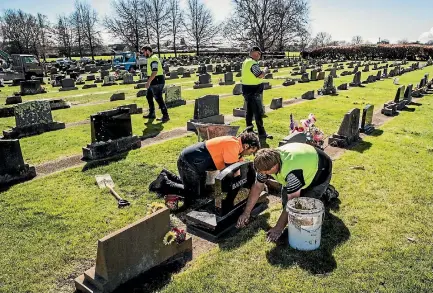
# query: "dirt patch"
{"type": "Point", "coordinates": [164, 136]}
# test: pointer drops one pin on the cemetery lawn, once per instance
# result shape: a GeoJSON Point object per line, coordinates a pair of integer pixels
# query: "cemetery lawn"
{"type": "Point", "coordinates": [380, 238]}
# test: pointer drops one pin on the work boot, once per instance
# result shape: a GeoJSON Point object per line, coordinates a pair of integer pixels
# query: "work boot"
{"type": "Point", "coordinates": [172, 176]}
{"type": "Point", "coordinates": [151, 115]}
{"type": "Point", "coordinates": [156, 185]}
{"type": "Point", "coordinates": [164, 119]}
{"type": "Point", "coordinates": [266, 136]}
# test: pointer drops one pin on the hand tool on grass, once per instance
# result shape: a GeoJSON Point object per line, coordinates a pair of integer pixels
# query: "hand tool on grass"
{"type": "Point", "coordinates": [105, 181]}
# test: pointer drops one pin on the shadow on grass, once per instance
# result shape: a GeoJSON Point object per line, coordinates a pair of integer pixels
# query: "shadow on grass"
{"type": "Point", "coordinates": [361, 146]}
{"type": "Point", "coordinates": [151, 129]}
{"type": "Point", "coordinates": [320, 261]}
{"type": "Point", "coordinates": [415, 104]}
{"type": "Point", "coordinates": [406, 109]}
{"type": "Point", "coordinates": [376, 132]}
{"type": "Point", "coordinates": [104, 162]}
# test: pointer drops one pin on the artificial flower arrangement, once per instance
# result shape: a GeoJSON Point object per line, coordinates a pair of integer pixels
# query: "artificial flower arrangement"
{"type": "Point", "coordinates": [175, 234]}
{"type": "Point", "coordinates": [315, 136]}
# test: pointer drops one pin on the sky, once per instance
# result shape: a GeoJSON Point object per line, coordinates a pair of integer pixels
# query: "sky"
{"type": "Point", "coordinates": [372, 19]}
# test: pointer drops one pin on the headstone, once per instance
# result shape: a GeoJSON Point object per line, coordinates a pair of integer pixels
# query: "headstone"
{"type": "Point", "coordinates": [304, 78]}
{"type": "Point", "coordinates": [379, 75]}
{"type": "Point", "coordinates": [289, 82]}
{"type": "Point", "coordinates": [128, 78]}
{"type": "Point", "coordinates": [31, 87]}
{"type": "Point", "coordinates": [90, 77]}
{"type": "Point", "coordinates": [321, 75]}
{"type": "Point", "coordinates": [228, 79]}
{"type": "Point", "coordinates": [12, 166]}
{"type": "Point", "coordinates": [206, 110]}
{"type": "Point", "coordinates": [111, 133]}
{"type": "Point", "coordinates": [142, 93]}
{"type": "Point", "coordinates": [367, 120]}
{"type": "Point", "coordinates": [56, 104]}
{"type": "Point", "coordinates": [298, 137]}
{"type": "Point", "coordinates": [104, 73]}
{"type": "Point", "coordinates": [186, 74]}
{"type": "Point", "coordinates": [328, 86]}
{"type": "Point", "coordinates": [333, 72]}
{"type": "Point", "coordinates": [266, 85]}
{"type": "Point", "coordinates": [308, 95]}
{"type": "Point", "coordinates": [89, 86]}
{"type": "Point", "coordinates": [240, 112]}
{"type": "Point", "coordinates": [356, 80]}
{"type": "Point", "coordinates": [219, 216]}
{"type": "Point", "coordinates": [399, 98]}
{"type": "Point", "coordinates": [180, 70]}
{"type": "Point", "coordinates": [117, 97]}
{"type": "Point", "coordinates": [237, 90]}
{"type": "Point", "coordinates": [366, 68]}
{"type": "Point", "coordinates": [408, 94]}
{"type": "Point", "coordinates": [313, 75]}
{"type": "Point", "coordinates": [68, 84]}
{"type": "Point", "coordinates": [132, 251]}
{"type": "Point", "coordinates": [204, 81]}
{"type": "Point", "coordinates": [276, 103]}
{"type": "Point", "coordinates": [15, 99]}
{"type": "Point", "coordinates": [32, 118]}
{"type": "Point", "coordinates": [109, 81]}
{"type": "Point", "coordinates": [269, 76]}
{"type": "Point", "coordinates": [174, 75]}
{"type": "Point", "coordinates": [348, 131]}
{"type": "Point", "coordinates": [343, 87]}
{"type": "Point", "coordinates": [173, 96]}
{"type": "Point", "coordinates": [218, 69]}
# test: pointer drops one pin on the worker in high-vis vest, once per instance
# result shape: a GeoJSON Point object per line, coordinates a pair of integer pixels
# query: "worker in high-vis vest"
{"type": "Point", "coordinates": [301, 169]}
{"type": "Point", "coordinates": [252, 89]}
{"type": "Point", "coordinates": [155, 85]}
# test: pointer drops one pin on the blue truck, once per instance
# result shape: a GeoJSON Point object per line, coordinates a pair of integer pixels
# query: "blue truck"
{"type": "Point", "coordinates": [128, 61]}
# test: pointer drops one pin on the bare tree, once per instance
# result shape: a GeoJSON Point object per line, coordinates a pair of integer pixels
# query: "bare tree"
{"type": "Point", "coordinates": [357, 40]}
{"type": "Point", "coordinates": [44, 33]}
{"type": "Point", "coordinates": [199, 23]}
{"type": "Point", "coordinates": [322, 39]}
{"type": "Point", "coordinates": [304, 38]}
{"type": "Point", "coordinates": [270, 24]}
{"type": "Point", "coordinates": [78, 31]}
{"type": "Point", "coordinates": [403, 41]}
{"type": "Point", "coordinates": [63, 33]}
{"type": "Point", "coordinates": [88, 18]}
{"type": "Point", "coordinates": [175, 18]}
{"type": "Point", "coordinates": [158, 20]}
{"type": "Point", "coordinates": [19, 30]}
{"type": "Point", "coordinates": [128, 23]}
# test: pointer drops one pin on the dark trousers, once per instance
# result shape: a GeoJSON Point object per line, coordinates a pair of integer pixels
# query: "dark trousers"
{"type": "Point", "coordinates": [254, 108]}
{"type": "Point", "coordinates": [155, 91]}
{"type": "Point", "coordinates": [191, 182]}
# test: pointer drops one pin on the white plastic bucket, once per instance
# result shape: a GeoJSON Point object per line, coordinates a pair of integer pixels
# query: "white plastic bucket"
{"type": "Point", "coordinates": [306, 217]}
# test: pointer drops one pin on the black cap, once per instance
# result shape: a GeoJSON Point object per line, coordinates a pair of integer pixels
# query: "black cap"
{"type": "Point", "coordinates": [255, 49]}
{"type": "Point", "coordinates": [146, 47]}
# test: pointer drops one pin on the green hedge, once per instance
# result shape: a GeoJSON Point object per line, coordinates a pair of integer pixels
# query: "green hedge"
{"type": "Point", "coordinates": [410, 52]}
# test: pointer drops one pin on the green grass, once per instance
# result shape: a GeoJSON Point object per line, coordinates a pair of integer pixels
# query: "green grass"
{"type": "Point", "coordinates": [50, 225]}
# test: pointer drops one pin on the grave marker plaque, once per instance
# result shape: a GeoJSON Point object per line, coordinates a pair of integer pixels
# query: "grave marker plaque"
{"type": "Point", "coordinates": [348, 131]}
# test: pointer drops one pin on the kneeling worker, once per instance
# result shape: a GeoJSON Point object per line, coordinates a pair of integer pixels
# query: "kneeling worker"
{"type": "Point", "coordinates": [301, 169]}
{"type": "Point", "coordinates": [194, 161]}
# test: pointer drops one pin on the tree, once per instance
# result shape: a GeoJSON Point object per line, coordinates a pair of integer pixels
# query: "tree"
{"type": "Point", "coordinates": [199, 23]}
{"type": "Point", "coordinates": [304, 39]}
{"type": "Point", "coordinates": [357, 40]}
{"type": "Point", "coordinates": [63, 33]}
{"type": "Point", "coordinates": [128, 23]}
{"type": "Point", "coordinates": [20, 31]}
{"type": "Point", "coordinates": [403, 42]}
{"type": "Point", "coordinates": [44, 33]}
{"type": "Point", "coordinates": [175, 19]}
{"type": "Point", "coordinates": [78, 31]}
{"type": "Point", "coordinates": [270, 24]}
{"type": "Point", "coordinates": [89, 19]}
{"type": "Point", "coordinates": [158, 20]}
{"type": "Point", "coordinates": [322, 39]}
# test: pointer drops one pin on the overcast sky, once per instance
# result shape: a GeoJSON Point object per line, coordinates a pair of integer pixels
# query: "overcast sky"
{"type": "Point", "coordinates": [372, 19]}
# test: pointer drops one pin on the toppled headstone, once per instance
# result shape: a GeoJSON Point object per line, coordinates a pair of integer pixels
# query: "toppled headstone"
{"type": "Point", "coordinates": [12, 166]}
{"type": "Point", "coordinates": [367, 120]}
{"type": "Point", "coordinates": [90, 77]}
{"type": "Point", "coordinates": [389, 109]}
{"type": "Point", "coordinates": [117, 97]}
{"type": "Point", "coordinates": [133, 109]}
{"type": "Point", "coordinates": [89, 86]}
{"type": "Point", "coordinates": [343, 87]}
{"type": "Point", "coordinates": [219, 216]}
{"type": "Point", "coordinates": [173, 96]}
{"type": "Point", "coordinates": [206, 110]}
{"type": "Point", "coordinates": [174, 75]}
{"type": "Point", "coordinates": [348, 132]}
{"type": "Point", "coordinates": [31, 87]}
{"type": "Point", "coordinates": [310, 95]}
{"type": "Point", "coordinates": [32, 118]}
{"type": "Point", "coordinates": [131, 251]}
{"type": "Point", "coordinates": [111, 134]}
{"type": "Point", "coordinates": [68, 84]}
{"type": "Point", "coordinates": [276, 103]}
{"type": "Point", "coordinates": [140, 86]}
{"type": "Point", "coordinates": [186, 74]}
{"type": "Point", "coordinates": [289, 82]}
{"type": "Point", "coordinates": [269, 76]}
{"type": "Point", "coordinates": [298, 137]}
{"type": "Point", "coordinates": [240, 112]}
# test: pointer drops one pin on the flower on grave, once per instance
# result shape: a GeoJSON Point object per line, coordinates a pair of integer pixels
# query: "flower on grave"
{"type": "Point", "coordinates": [172, 201]}
{"type": "Point", "coordinates": [154, 207]}
{"type": "Point", "coordinates": [175, 234]}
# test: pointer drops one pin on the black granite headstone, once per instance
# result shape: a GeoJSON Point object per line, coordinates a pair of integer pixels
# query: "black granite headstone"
{"type": "Point", "coordinates": [367, 119]}
{"type": "Point", "coordinates": [12, 166]}
{"type": "Point", "coordinates": [206, 106]}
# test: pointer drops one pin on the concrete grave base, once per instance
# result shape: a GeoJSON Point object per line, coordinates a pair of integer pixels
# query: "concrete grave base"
{"type": "Point", "coordinates": [389, 109]}
{"type": "Point", "coordinates": [354, 84]}
{"type": "Point", "coordinates": [202, 86]}
{"type": "Point", "coordinates": [204, 223]}
{"type": "Point", "coordinates": [65, 89]}
{"type": "Point", "coordinates": [368, 129]}
{"type": "Point", "coordinates": [102, 150]}
{"type": "Point", "coordinates": [239, 112]}
{"type": "Point", "coordinates": [176, 103]}
{"type": "Point", "coordinates": [227, 82]}
{"type": "Point", "coordinates": [132, 251]}
{"type": "Point", "coordinates": [57, 104]}
{"type": "Point", "coordinates": [35, 129]}
{"type": "Point", "coordinates": [89, 86]}
{"type": "Point", "coordinates": [217, 119]}
{"type": "Point", "coordinates": [341, 141]}
{"type": "Point", "coordinates": [26, 173]}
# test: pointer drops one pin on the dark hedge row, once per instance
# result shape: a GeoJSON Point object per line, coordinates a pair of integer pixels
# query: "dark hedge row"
{"type": "Point", "coordinates": [410, 52]}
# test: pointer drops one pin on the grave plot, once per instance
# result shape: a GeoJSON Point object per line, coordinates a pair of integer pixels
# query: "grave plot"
{"type": "Point", "coordinates": [12, 166]}
{"type": "Point", "coordinates": [206, 110]}
{"type": "Point", "coordinates": [348, 132]}
{"type": "Point", "coordinates": [219, 215]}
{"type": "Point", "coordinates": [32, 118]}
{"type": "Point", "coordinates": [131, 251]}
{"type": "Point", "coordinates": [111, 133]}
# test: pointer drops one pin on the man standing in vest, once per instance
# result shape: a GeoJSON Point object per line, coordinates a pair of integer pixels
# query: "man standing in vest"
{"type": "Point", "coordinates": [155, 84]}
{"type": "Point", "coordinates": [301, 169]}
{"type": "Point", "coordinates": [252, 89]}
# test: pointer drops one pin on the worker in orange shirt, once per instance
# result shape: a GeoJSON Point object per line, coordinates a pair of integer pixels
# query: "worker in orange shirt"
{"type": "Point", "coordinates": [194, 161]}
